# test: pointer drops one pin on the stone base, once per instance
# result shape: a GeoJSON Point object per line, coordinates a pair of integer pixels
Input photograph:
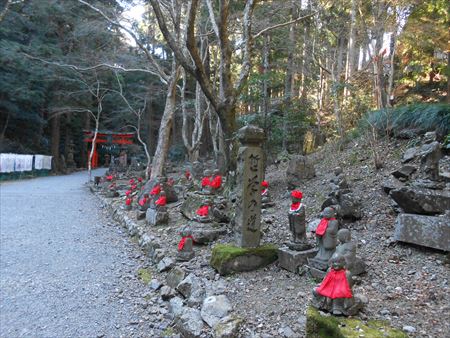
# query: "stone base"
{"type": "Point", "coordinates": [111, 194]}
{"type": "Point", "coordinates": [319, 325]}
{"type": "Point", "coordinates": [299, 246]}
{"type": "Point", "coordinates": [317, 274]}
{"type": "Point", "coordinates": [228, 259]}
{"type": "Point", "coordinates": [207, 233]}
{"type": "Point", "coordinates": [291, 260]}
{"type": "Point", "coordinates": [359, 267]}
{"type": "Point", "coordinates": [155, 217]}
{"type": "Point", "coordinates": [185, 256]}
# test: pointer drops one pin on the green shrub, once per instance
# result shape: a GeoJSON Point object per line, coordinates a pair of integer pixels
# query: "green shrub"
{"type": "Point", "coordinates": [421, 116]}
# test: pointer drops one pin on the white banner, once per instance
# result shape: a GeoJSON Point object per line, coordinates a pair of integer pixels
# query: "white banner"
{"type": "Point", "coordinates": [7, 163]}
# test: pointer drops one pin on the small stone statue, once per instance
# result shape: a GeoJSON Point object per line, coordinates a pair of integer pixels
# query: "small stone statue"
{"type": "Point", "coordinates": [326, 235]}
{"type": "Point", "coordinates": [206, 182]}
{"type": "Point", "coordinates": [185, 246]}
{"type": "Point", "coordinates": [204, 214]}
{"type": "Point", "coordinates": [430, 154]}
{"type": "Point", "coordinates": [338, 182]}
{"type": "Point", "coordinates": [347, 249]}
{"type": "Point", "coordinates": [335, 294]}
{"type": "Point", "coordinates": [128, 203]}
{"type": "Point", "coordinates": [297, 223]}
{"type": "Point", "coordinates": [265, 196]}
{"type": "Point", "coordinates": [216, 181]}
{"type": "Point", "coordinates": [144, 203]}
{"type": "Point", "coordinates": [157, 212]}
{"type": "Point", "coordinates": [112, 190]}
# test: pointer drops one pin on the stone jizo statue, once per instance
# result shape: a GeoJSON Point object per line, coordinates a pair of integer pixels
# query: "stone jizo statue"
{"type": "Point", "coordinates": [326, 235]}
{"type": "Point", "coordinates": [185, 246]}
{"type": "Point", "coordinates": [204, 213]}
{"type": "Point", "coordinates": [335, 293]}
{"type": "Point", "coordinates": [206, 187]}
{"type": "Point", "coordinates": [297, 222]}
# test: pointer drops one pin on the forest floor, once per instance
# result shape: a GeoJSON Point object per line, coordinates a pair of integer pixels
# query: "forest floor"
{"type": "Point", "coordinates": [405, 285]}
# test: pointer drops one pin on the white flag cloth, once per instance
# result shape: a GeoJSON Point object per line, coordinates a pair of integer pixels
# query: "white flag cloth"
{"type": "Point", "coordinates": [38, 162]}
{"type": "Point", "coordinates": [47, 162]}
{"type": "Point", "coordinates": [7, 163]}
{"type": "Point", "coordinates": [23, 163]}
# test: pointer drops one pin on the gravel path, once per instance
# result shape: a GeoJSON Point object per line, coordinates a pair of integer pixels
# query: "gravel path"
{"type": "Point", "coordinates": [64, 271]}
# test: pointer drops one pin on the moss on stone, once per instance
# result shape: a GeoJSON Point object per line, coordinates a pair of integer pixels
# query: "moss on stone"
{"type": "Point", "coordinates": [229, 258]}
{"type": "Point", "coordinates": [320, 326]}
{"type": "Point", "coordinates": [144, 275]}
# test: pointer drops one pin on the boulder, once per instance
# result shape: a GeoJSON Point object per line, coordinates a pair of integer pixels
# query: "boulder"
{"type": "Point", "coordinates": [175, 276]}
{"type": "Point", "coordinates": [228, 327]}
{"type": "Point", "coordinates": [190, 323]}
{"type": "Point", "coordinates": [319, 325]}
{"type": "Point", "coordinates": [350, 206]}
{"type": "Point", "coordinates": [187, 284]}
{"type": "Point", "coordinates": [190, 205]}
{"type": "Point", "coordinates": [410, 154]}
{"type": "Point", "coordinates": [391, 183]}
{"type": "Point", "coordinates": [300, 168]}
{"type": "Point", "coordinates": [215, 308]}
{"type": "Point", "coordinates": [176, 306]}
{"type": "Point", "coordinates": [404, 172]}
{"type": "Point", "coordinates": [169, 190]}
{"type": "Point", "coordinates": [421, 200]}
{"type": "Point", "coordinates": [167, 292]}
{"type": "Point", "coordinates": [429, 231]}
{"type": "Point", "coordinates": [156, 217]}
{"type": "Point", "coordinates": [228, 259]}
{"type": "Point", "coordinates": [165, 264]}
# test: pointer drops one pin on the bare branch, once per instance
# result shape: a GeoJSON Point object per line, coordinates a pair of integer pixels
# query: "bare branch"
{"type": "Point", "coordinates": [265, 30]}
{"type": "Point", "coordinates": [212, 18]}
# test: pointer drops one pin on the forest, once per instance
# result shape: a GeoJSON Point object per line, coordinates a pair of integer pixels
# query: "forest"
{"type": "Point", "coordinates": [185, 75]}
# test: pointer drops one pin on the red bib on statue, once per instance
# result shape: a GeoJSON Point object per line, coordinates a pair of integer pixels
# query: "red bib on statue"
{"type": "Point", "coordinates": [183, 241]}
{"type": "Point", "coordinates": [206, 181]}
{"type": "Point", "coordinates": [323, 225]}
{"type": "Point", "coordinates": [335, 285]}
{"type": "Point", "coordinates": [156, 190]}
{"type": "Point", "coordinates": [216, 182]}
{"type": "Point", "coordinates": [162, 201]}
{"type": "Point", "coordinates": [203, 211]}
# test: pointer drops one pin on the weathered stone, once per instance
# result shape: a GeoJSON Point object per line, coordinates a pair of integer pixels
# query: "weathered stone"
{"type": "Point", "coordinates": [155, 284]}
{"type": "Point", "coordinates": [185, 286]}
{"type": "Point", "coordinates": [320, 325]}
{"type": "Point", "coordinates": [410, 154]}
{"type": "Point", "coordinates": [429, 231]}
{"type": "Point", "coordinates": [228, 327]}
{"type": "Point", "coordinates": [156, 217]}
{"type": "Point", "coordinates": [391, 183]}
{"type": "Point", "coordinates": [421, 200]}
{"type": "Point", "coordinates": [176, 306]}
{"type": "Point", "coordinates": [350, 206]}
{"type": "Point", "coordinates": [215, 308]}
{"type": "Point", "coordinates": [171, 194]}
{"type": "Point", "coordinates": [312, 225]}
{"type": "Point", "coordinates": [192, 202]}
{"type": "Point", "coordinates": [167, 292]}
{"type": "Point", "coordinates": [227, 259]}
{"type": "Point", "coordinates": [190, 323]}
{"type": "Point", "coordinates": [175, 276]}
{"type": "Point", "coordinates": [197, 170]}
{"type": "Point", "coordinates": [250, 172]}
{"type": "Point", "coordinates": [404, 172]}
{"type": "Point", "coordinates": [300, 168]}
{"type": "Point", "coordinates": [444, 167]}
{"type": "Point", "coordinates": [207, 233]}
{"type": "Point", "coordinates": [291, 260]}
{"type": "Point", "coordinates": [165, 264]}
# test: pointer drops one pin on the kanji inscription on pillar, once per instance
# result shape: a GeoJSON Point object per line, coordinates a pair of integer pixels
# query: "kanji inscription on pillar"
{"type": "Point", "coordinates": [250, 173]}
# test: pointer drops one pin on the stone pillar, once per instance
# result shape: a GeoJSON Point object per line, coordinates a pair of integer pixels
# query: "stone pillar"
{"type": "Point", "coordinates": [250, 174]}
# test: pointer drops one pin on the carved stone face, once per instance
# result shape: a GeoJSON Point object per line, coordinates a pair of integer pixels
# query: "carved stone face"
{"type": "Point", "coordinates": [328, 212]}
{"type": "Point", "coordinates": [186, 231]}
{"type": "Point", "coordinates": [344, 235]}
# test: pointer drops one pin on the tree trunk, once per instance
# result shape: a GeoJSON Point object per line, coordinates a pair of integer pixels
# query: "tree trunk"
{"type": "Point", "coordinates": [349, 67]}
{"type": "Point", "coordinates": [2, 135]}
{"type": "Point", "coordinates": [162, 148]}
{"type": "Point", "coordinates": [55, 141]}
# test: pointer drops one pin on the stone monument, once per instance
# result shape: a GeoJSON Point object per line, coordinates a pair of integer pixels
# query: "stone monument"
{"type": "Point", "coordinates": [185, 246]}
{"type": "Point", "coordinates": [335, 293]}
{"type": "Point", "coordinates": [326, 235]}
{"type": "Point", "coordinates": [250, 173]}
{"type": "Point", "coordinates": [157, 213]}
{"type": "Point", "coordinates": [298, 250]}
{"type": "Point", "coordinates": [347, 249]}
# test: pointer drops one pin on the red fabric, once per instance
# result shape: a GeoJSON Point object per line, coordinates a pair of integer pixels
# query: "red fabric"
{"type": "Point", "coordinates": [140, 179]}
{"type": "Point", "coordinates": [203, 210]}
{"type": "Point", "coordinates": [133, 187]}
{"type": "Point", "coordinates": [295, 206]}
{"type": "Point", "coordinates": [110, 177]}
{"type": "Point", "coordinates": [335, 285]}
{"type": "Point", "coordinates": [206, 181]}
{"type": "Point", "coordinates": [187, 174]}
{"type": "Point", "coordinates": [265, 184]}
{"type": "Point", "coordinates": [216, 182]}
{"type": "Point", "coordinates": [264, 192]}
{"type": "Point", "coordinates": [183, 241]}
{"type": "Point", "coordinates": [162, 201]}
{"type": "Point", "coordinates": [323, 225]}
{"type": "Point", "coordinates": [128, 201]}
{"type": "Point", "coordinates": [156, 190]}
{"type": "Point", "coordinates": [297, 194]}
{"type": "Point", "coordinates": [132, 181]}
{"type": "Point", "coordinates": [127, 193]}
{"type": "Point", "coordinates": [142, 202]}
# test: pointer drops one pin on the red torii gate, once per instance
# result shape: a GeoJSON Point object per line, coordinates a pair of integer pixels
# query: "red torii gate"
{"type": "Point", "coordinates": [105, 137]}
